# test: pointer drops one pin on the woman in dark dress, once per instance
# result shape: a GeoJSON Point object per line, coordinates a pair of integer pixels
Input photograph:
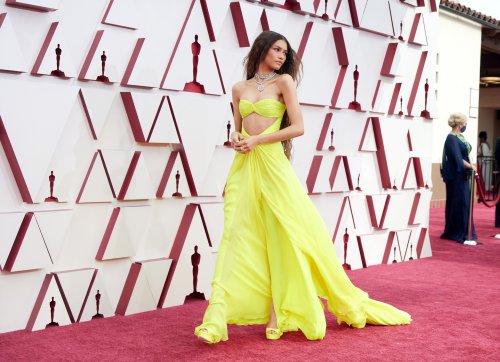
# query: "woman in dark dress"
{"type": "Point", "coordinates": [456, 169]}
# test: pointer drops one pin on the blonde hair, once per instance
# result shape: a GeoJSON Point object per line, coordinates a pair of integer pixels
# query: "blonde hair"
{"type": "Point", "coordinates": [457, 119]}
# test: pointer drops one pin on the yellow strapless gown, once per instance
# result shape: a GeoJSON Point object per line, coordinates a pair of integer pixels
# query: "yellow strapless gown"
{"type": "Point", "coordinates": [276, 246]}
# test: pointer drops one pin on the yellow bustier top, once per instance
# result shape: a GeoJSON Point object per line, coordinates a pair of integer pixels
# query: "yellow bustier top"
{"type": "Point", "coordinates": [267, 107]}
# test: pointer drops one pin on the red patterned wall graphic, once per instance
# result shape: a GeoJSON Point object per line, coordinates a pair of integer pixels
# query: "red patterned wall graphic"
{"type": "Point", "coordinates": [113, 129]}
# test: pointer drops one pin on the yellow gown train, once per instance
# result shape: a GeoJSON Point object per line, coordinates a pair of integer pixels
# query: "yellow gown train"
{"type": "Point", "coordinates": [276, 246]}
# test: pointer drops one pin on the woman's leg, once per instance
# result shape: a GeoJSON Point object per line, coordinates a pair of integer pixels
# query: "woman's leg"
{"type": "Point", "coordinates": [273, 322]}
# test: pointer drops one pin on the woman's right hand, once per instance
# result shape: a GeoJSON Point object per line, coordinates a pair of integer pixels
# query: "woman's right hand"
{"type": "Point", "coordinates": [235, 138]}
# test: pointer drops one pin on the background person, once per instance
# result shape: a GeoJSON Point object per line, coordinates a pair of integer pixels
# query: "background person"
{"type": "Point", "coordinates": [456, 168]}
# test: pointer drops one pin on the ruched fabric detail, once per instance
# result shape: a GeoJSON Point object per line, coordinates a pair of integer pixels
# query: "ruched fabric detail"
{"type": "Point", "coordinates": [275, 246]}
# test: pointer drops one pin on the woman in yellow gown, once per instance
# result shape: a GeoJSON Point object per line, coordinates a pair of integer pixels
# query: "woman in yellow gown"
{"type": "Point", "coordinates": [276, 256]}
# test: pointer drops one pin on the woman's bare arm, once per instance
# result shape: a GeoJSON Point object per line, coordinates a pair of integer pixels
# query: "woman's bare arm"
{"type": "Point", "coordinates": [236, 134]}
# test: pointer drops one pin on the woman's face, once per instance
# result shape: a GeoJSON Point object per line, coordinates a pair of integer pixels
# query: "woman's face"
{"type": "Point", "coordinates": [276, 55]}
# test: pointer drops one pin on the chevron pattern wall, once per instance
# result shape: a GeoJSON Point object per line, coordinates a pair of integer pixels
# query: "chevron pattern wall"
{"type": "Point", "coordinates": [113, 158]}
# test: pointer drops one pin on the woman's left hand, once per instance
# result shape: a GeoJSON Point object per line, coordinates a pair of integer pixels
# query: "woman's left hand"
{"type": "Point", "coordinates": [248, 144]}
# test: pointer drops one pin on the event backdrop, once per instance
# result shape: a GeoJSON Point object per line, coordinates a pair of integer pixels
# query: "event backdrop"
{"type": "Point", "coordinates": [113, 120]}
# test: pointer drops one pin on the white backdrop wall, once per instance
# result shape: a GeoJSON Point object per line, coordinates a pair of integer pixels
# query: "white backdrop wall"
{"type": "Point", "coordinates": [115, 147]}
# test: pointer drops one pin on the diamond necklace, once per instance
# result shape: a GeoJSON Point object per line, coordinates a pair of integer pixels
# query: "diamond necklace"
{"type": "Point", "coordinates": [264, 77]}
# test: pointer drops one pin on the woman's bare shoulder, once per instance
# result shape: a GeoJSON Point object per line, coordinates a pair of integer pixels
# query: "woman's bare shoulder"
{"type": "Point", "coordinates": [285, 81]}
{"type": "Point", "coordinates": [239, 86]}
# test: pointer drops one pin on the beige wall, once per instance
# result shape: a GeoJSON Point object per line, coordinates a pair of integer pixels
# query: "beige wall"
{"type": "Point", "coordinates": [457, 72]}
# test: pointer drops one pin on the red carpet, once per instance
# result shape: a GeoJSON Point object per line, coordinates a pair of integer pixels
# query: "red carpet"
{"type": "Point", "coordinates": [454, 298]}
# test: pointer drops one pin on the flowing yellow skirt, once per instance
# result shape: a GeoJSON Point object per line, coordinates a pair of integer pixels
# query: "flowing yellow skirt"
{"type": "Point", "coordinates": [275, 247]}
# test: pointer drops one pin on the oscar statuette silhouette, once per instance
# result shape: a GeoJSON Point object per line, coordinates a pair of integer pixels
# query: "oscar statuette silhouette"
{"type": "Point", "coordinates": [394, 187]}
{"type": "Point", "coordinates": [355, 104]}
{"type": "Point", "coordinates": [51, 198]}
{"type": "Point", "coordinates": [57, 72]}
{"type": "Point", "coordinates": [102, 77]}
{"type": "Point", "coordinates": [401, 31]}
{"type": "Point", "coordinates": [97, 303]}
{"type": "Point", "coordinates": [52, 311]}
{"type": "Point", "coordinates": [194, 86]}
{"type": "Point", "coordinates": [358, 188]}
{"type": "Point", "coordinates": [177, 178]}
{"type": "Point", "coordinates": [401, 107]}
{"type": "Point", "coordinates": [228, 128]}
{"type": "Point", "coordinates": [394, 261]}
{"type": "Point", "coordinates": [425, 113]}
{"type": "Point", "coordinates": [195, 262]}
{"type": "Point", "coordinates": [331, 147]}
{"type": "Point", "coordinates": [325, 15]}
{"type": "Point", "coordinates": [411, 252]}
{"type": "Point", "coordinates": [346, 241]}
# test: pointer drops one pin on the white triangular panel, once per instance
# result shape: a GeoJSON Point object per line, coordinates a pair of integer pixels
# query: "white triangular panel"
{"type": "Point", "coordinates": [12, 58]}
{"type": "Point", "coordinates": [19, 292]}
{"type": "Point", "coordinates": [420, 35]}
{"type": "Point", "coordinates": [137, 220]}
{"type": "Point", "coordinates": [379, 202]}
{"type": "Point", "coordinates": [120, 244]}
{"type": "Point", "coordinates": [340, 183]}
{"type": "Point", "coordinates": [141, 186]}
{"type": "Point", "coordinates": [60, 313]}
{"type": "Point", "coordinates": [29, 106]}
{"type": "Point", "coordinates": [161, 233]}
{"type": "Point", "coordinates": [105, 307]}
{"type": "Point", "coordinates": [353, 256]}
{"type": "Point", "coordinates": [9, 224]}
{"type": "Point", "coordinates": [374, 247]}
{"type": "Point", "coordinates": [181, 68]}
{"type": "Point", "coordinates": [321, 59]}
{"type": "Point", "coordinates": [54, 226]}
{"type": "Point", "coordinates": [342, 12]}
{"type": "Point", "coordinates": [164, 129]}
{"type": "Point", "coordinates": [159, 21]}
{"type": "Point", "coordinates": [213, 213]}
{"type": "Point", "coordinates": [345, 220]}
{"type": "Point", "coordinates": [329, 207]}
{"type": "Point", "coordinates": [170, 189]}
{"type": "Point", "coordinates": [97, 187]}
{"type": "Point", "coordinates": [322, 183]}
{"type": "Point", "coordinates": [142, 298]}
{"type": "Point", "coordinates": [422, 213]}
{"type": "Point", "coordinates": [113, 275]}
{"type": "Point", "coordinates": [117, 46]}
{"type": "Point", "coordinates": [33, 252]}
{"type": "Point", "coordinates": [99, 103]}
{"type": "Point", "coordinates": [361, 214]}
{"type": "Point", "coordinates": [368, 142]}
{"type": "Point", "coordinates": [403, 250]}
{"type": "Point", "coordinates": [156, 273]}
{"type": "Point", "coordinates": [377, 17]}
{"type": "Point", "coordinates": [182, 281]}
{"type": "Point", "coordinates": [410, 181]}
{"type": "Point", "coordinates": [199, 137]}
{"type": "Point", "coordinates": [218, 171]}
{"type": "Point", "coordinates": [398, 212]}
{"type": "Point", "coordinates": [123, 13]}
{"type": "Point", "coordinates": [251, 16]}
{"type": "Point", "coordinates": [49, 63]}
{"type": "Point", "coordinates": [117, 163]}
{"type": "Point", "coordinates": [75, 284]}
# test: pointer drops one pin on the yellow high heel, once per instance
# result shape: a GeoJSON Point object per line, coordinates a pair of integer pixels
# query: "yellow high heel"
{"type": "Point", "coordinates": [273, 333]}
{"type": "Point", "coordinates": [205, 336]}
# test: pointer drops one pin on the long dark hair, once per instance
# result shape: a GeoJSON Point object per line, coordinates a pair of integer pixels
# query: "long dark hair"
{"type": "Point", "coordinates": [291, 66]}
